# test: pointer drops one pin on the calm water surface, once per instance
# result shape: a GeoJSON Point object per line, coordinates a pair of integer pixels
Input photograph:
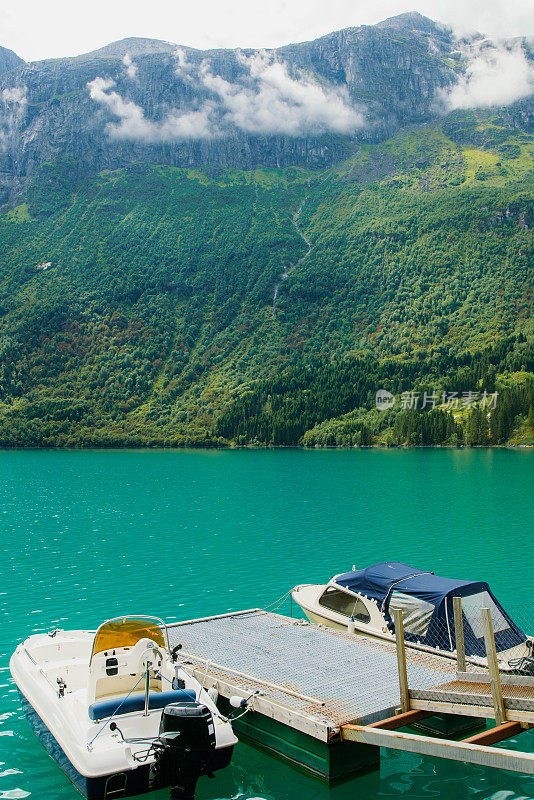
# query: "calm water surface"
{"type": "Point", "coordinates": [88, 535]}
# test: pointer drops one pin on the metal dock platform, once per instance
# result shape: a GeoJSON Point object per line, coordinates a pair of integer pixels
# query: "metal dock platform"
{"type": "Point", "coordinates": [328, 700]}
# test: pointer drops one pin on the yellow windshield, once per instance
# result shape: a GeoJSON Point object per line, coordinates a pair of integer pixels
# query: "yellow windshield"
{"type": "Point", "coordinates": [126, 632]}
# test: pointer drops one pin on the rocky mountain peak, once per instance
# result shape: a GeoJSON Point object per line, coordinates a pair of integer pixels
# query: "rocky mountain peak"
{"type": "Point", "coordinates": [9, 60]}
{"type": "Point", "coordinates": [411, 21]}
{"type": "Point", "coordinates": [133, 46]}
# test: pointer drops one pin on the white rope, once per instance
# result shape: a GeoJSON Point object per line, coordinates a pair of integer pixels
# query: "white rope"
{"type": "Point", "coordinates": [280, 601]}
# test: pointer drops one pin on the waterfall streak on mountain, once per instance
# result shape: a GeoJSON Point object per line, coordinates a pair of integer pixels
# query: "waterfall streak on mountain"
{"type": "Point", "coordinates": [291, 267]}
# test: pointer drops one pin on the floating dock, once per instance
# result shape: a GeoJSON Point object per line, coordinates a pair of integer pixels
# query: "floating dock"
{"type": "Point", "coordinates": [327, 700]}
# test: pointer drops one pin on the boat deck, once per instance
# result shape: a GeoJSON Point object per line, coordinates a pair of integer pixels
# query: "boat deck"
{"type": "Point", "coordinates": [320, 677]}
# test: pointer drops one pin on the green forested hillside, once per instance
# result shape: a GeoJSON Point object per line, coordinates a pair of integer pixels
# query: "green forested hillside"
{"type": "Point", "coordinates": [137, 305]}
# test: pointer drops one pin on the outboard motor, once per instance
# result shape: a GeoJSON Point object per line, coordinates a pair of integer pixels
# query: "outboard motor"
{"type": "Point", "coordinates": [186, 748]}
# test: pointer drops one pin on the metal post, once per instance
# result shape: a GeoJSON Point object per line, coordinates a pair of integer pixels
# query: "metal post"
{"type": "Point", "coordinates": [493, 667]}
{"type": "Point", "coordinates": [459, 634]}
{"type": "Point", "coordinates": [147, 688]}
{"type": "Point", "coordinates": [401, 661]}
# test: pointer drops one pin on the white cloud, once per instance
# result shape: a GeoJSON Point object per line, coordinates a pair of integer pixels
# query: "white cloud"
{"type": "Point", "coordinates": [267, 101]}
{"type": "Point", "coordinates": [15, 95]}
{"type": "Point", "coordinates": [495, 76]}
{"type": "Point", "coordinates": [134, 126]}
{"type": "Point", "coordinates": [15, 101]}
{"type": "Point", "coordinates": [183, 65]}
{"type": "Point", "coordinates": [131, 67]}
{"type": "Point", "coordinates": [273, 102]}
{"type": "Point", "coordinates": [184, 69]}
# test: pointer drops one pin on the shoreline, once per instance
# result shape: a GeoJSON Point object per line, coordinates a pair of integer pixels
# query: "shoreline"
{"type": "Point", "coordinates": [233, 448]}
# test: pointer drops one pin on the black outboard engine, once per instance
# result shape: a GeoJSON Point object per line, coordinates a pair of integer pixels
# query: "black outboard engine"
{"type": "Point", "coordinates": [186, 748]}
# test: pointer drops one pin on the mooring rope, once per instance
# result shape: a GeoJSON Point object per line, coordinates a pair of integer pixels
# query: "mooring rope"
{"type": "Point", "coordinates": [277, 603]}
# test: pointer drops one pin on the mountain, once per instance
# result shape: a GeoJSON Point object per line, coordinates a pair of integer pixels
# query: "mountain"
{"type": "Point", "coordinates": [9, 60]}
{"type": "Point", "coordinates": [133, 47]}
{"type": "Point", "coordinates": [412, 21]}
{"type": "Point", "coordinates": [307, 104]}
{"type": "Point", "coordinates": [301, 105]}
{"type": "Point", "coordinates": [259, 286]}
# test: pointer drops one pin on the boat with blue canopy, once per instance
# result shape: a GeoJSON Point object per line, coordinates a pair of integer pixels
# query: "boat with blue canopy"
{"type": "Point", "coordinates": [364, 601]}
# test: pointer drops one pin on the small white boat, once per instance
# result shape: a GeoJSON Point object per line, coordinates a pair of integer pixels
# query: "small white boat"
{"type": "Point", "coordinates": [362, 601]}
{"type": "Point", "coordinates": [116, 710]}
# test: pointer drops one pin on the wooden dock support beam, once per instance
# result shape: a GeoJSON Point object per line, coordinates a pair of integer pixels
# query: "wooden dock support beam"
{"type": "Point", "coordinates": [400, 720]}
{"type": "Point", "coordinates": [493, 667]}
{"type": "Point", "coordinates": [441, 748]}
{"type": "Point", "coordinates": [401, 661]}
{"type": "Point", "coordinates": [494, 735]}
{"type": "Point", "coordinates": [459, 634]}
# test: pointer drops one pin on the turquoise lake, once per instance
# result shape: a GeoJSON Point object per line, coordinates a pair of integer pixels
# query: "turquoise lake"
{"type": "Point", "coordinates": [87, 535]}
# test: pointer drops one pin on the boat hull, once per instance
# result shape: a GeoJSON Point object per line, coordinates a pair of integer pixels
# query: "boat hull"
{"type": "Point", "coordinates": [313, 611]}
{"type": "Point", "coordinates": [121, 784]}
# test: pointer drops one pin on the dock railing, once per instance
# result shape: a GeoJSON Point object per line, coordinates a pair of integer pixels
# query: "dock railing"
{"type": "Point", "coordinates": [473, 679]}
{"type": "Point", "coordinates": [479, 680]}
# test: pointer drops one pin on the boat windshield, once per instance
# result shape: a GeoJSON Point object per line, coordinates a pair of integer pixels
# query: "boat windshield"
{"type": "Point", "coordinates": [126, 632]}
{"type": "Point", "coordinates": [472, 606]}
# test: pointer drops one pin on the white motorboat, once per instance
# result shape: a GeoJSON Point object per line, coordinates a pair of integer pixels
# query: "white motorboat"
{"type": "Point", "coordinates": [118, 712]}
{"type": "Point", "coordinates": [362, 601]}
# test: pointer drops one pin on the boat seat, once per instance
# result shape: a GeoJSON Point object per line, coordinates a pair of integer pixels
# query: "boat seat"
{"type": "Point", "coordinates": [107, 687]}
{"type": "Point", "coordinates": [136, 702]}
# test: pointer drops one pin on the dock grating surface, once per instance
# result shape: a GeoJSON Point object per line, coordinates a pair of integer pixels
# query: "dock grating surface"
{"type": "Point", "coordinates": [349, 678]}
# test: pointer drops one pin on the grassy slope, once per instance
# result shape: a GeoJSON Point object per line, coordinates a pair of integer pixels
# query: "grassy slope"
{"type": "Point", "coordinates": [156, 311]}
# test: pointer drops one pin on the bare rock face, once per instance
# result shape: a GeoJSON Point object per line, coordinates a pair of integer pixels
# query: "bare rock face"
{"type": "Point", "coordinates": [8, 60]}
{"type": "Point", "coordinates": [145, 100]}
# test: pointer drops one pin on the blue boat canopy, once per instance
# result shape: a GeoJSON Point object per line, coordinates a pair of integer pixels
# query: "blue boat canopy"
{"type": "Point", "coordinates": [426, 601]}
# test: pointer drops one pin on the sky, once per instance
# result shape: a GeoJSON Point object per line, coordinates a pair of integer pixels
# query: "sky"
{"type": "Point", "coordinates": [37, 30]}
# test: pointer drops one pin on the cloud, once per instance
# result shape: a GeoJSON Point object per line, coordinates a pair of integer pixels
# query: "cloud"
{"type": "Point", "coordinates": [183, 65]}
{"type": "Point", "coordinates": [134, 126]}
{"type": "Point", "coordinates": [273, 102]}
{"type": "Point", "coordinates": [15, 101]}
{"type": "Point", "coordinates": [267, 100]}
{"type": "Point", "coordinates": [131, 67]}
{"type": "Point", "coordinates": [185, 70]}
{"type": "Point", "coordinates": [15, 95]}
{"type": "Point", "coordinates": [495, 76]}
{"type": "Point", "coordinates": [496, 18]}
